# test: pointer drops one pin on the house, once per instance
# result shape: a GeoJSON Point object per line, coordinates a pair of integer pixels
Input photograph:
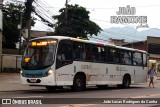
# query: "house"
{"type": "Point", "coordinates": [118, 42]}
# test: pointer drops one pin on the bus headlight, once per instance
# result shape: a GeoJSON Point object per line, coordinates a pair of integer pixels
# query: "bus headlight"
{"type": "Point", "coordinates": [21, 72]}
{"type": "Point", "coordinates": [50, 72]}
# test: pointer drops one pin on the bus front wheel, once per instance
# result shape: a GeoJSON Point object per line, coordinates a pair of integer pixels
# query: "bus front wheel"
{"type": "Point", "coordinates": [79, 83]}
{"type": "Point", "coordinates": [126, 81]}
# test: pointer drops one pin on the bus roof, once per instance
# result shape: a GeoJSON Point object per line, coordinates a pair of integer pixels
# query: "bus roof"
{"type": "Point", "coordinates": [87, 41]}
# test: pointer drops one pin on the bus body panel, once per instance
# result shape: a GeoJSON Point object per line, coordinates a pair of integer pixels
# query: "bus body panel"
{"type": "Point", "coordinates": [64, 75]}
{"type": "Point", "coordinates": [80, 66]}
{"type": "Point", "coordinates": [140, 74]}
{"type": "Point", "coordinates": [104, 74]}
{"type": "Point", "coordinates": [128, 69]}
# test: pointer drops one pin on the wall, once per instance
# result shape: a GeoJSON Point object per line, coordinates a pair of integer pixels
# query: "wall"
{"type": "Point", "coordinates": [11, 62]}
{"type": "Point", "coordinates": [10, 51]}
{"type": "Point", "coordinates": [138, 45]}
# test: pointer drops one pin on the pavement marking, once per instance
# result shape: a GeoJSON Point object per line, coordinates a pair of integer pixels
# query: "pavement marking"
{"type": "Point", "coordinates": [145, 96]}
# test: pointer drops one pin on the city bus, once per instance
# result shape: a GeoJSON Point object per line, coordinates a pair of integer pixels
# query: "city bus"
{"type": "Point", "coordinates": [57, 61]}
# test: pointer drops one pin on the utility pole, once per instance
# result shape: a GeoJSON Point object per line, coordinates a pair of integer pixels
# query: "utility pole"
{"type": "Point", "coordinates": [66, 11]}
{"type": "Point", "coordinates": [20, 32]}
{"type": "Point", "coordinates": [1, 29]}
{"type": "Point", "coordinates": [27, 15]}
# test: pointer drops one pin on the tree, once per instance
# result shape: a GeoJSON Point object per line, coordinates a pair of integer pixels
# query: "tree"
{"type": "Point", "coordinates": [77, 23]}
{"type": "Point", "coordinates": [11, 18]}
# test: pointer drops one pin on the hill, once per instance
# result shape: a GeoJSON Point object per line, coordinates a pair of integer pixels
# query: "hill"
{"type": "Point", "coordinates": [130, 34]}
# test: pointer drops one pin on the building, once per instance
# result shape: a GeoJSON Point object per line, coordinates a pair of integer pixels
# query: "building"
{"type": "Point", "coordinates": [142, 45]}
{"type": "Point", "coordinates": [35, 33]}
{"type": "Point", "coordinates": [152, 46]}
{"type": "Point", "coordinates": [118, 42]}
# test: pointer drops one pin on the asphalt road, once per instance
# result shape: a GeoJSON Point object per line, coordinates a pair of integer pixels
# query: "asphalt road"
{"type": "Point", "coordinates": [10, 87]}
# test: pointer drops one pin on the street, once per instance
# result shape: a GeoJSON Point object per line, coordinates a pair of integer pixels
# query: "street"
{"type": "Point", "coordinates": [11, 88]}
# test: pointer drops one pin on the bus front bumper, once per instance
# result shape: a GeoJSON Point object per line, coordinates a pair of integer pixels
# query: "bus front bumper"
{"type": "Point", "coordinates": [43, 81]}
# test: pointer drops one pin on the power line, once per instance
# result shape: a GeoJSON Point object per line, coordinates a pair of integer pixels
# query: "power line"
{"type": "Point", "coordinates": [44, 4]}
{"type": "Point", "coordinates": [42, 10]}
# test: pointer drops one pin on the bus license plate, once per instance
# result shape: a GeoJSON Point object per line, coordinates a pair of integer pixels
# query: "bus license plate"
{"type": "Point", "coordinates": [33, 80]}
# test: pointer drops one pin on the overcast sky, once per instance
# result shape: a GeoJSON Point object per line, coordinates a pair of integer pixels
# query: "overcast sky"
{"type": "Point", "coordinates": [102, 10]}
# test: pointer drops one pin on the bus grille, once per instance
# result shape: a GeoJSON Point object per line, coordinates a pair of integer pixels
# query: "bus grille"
{"type": "Point", "coordinates": [33, 75]}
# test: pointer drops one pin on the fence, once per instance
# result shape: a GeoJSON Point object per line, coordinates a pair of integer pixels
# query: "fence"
{"type": "Point", "coordinates": [11, 62]}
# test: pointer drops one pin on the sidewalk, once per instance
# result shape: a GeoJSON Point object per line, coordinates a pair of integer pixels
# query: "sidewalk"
{"type": "Point", "coordinates": [11, 82]}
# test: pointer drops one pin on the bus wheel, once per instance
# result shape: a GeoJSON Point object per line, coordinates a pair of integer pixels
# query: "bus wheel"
{"type": "Point", "coordinates": [102, 86]}
{"type": "Point", "coordinates": [126, 81]}
{"type": "Point", "coordinates": [51, 88]}
{"type": "Point", "coordinates": [79, 83]}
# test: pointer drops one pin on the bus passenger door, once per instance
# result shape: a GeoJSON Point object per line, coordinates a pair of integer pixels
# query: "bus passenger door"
{"type": "Point", "coordinates": [139, 70]}
{"type": "Point", "coordinates": [64, 63]}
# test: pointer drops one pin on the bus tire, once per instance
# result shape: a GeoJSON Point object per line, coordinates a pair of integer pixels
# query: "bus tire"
{"type": "Point", "coordinates": [102, 87]}
{"type": "Point", "coordinates": [51, 88]}
{"type": "Point", "coordinates": [119, 85]}
{"type": "Point", "coordinates": [79, 83]}
{"type": "Point", "coordinates": [126, 81]}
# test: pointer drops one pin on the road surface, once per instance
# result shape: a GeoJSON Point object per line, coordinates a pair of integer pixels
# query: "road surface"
{"type": "Point", "coordinates": [10, 87]}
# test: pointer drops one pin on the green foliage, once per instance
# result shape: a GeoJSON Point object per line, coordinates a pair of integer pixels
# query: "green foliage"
{"type": "Point", "coordinates": [77, 24]}
{"type": "Point", "coordinates": [11, 19]}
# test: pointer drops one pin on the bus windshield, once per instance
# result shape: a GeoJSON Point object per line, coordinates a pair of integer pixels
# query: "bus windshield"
{"type": "Point", "coordinates": [39, 54]}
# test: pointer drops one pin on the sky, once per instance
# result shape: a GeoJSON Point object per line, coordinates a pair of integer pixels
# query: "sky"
{"type": "Point", "coordinates": [102, 10]}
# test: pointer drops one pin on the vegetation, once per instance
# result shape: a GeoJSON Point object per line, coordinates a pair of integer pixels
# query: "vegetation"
{"type": "Point", "coordinates": [11, 19]}
{"type": "Point", "coordinates": [77, 23]}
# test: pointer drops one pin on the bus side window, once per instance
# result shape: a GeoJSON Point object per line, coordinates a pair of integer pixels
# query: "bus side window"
{"type": "Point", "coordinates": [94, 53]}
{"type": "Point", "coordinates": [114, 55]}
{"type": "Point", "coordinates": [144, 60]}
{"type": "Point", "coordinates": [78, 51]}
{"type": "Point", "coordinates": [126, 57]}
{"type": "Point", "coordinates": [76, 54]}
{"type": "Point", "coordinates": [134, 59]}
{"type": "Point", "coordinates": [64, 54]}
{"type": "Point", "coordinates": [137, 59]}
{"type": "Point", "coordinates": [88, 52]}
{"type": "Point", "coordinates": [103, 54]}
{"type": "Point", "coordinates": [60, 53]}
{"type": "Point", "coordinates": [122, 58]}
